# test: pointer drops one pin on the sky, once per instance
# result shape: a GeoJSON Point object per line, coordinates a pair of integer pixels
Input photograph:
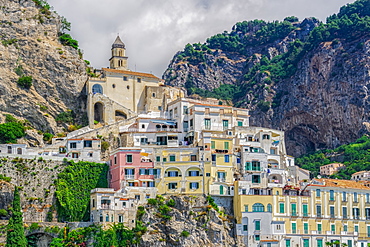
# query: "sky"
{"type": "Point", "coordinates": [154, 30]}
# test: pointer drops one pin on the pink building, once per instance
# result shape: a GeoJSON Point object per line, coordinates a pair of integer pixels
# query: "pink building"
{"type": "Point", "coordinates": [130, 167]}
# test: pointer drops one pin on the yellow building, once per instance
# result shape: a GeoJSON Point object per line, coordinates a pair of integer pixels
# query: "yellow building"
{"type": "Point", "coordinates": [182, 171]}
{"type": "Point", "coordinates": [325, 210]}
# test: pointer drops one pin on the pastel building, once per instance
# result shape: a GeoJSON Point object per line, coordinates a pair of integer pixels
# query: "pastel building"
{"type": "Point", "coordinates": [361, 176]}
{"type": "Point", "coordinates": [330, 169]}
{"type": "Point", "coordinates": [325, 210]}
{"type": "Point", "coordinates": [129, 167]}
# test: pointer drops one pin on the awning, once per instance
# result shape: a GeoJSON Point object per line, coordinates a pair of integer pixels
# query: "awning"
{"type": "Point", "coordinates": [146, 180]}
{"type": "Point", "coordinates": [164, 122]}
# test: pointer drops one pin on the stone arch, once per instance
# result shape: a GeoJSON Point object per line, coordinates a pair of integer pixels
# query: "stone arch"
{"type": "Point", "coordinates": [120, 115]}
{"type": "Point", "coordinates": [97, 88]}
{"type": "Point", "coordinates": [99, 112]}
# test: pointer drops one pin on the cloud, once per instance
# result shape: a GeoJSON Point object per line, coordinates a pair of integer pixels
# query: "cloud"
{"type": "Point", "coordinates": [154, 30]}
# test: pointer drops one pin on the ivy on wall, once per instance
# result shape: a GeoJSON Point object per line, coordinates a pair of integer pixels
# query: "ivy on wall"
{"type": "Point", "coordinates": [73, 188]}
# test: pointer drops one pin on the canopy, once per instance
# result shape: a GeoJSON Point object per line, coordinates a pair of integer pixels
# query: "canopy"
{"type": "Point", "coordinates": [163, 122]}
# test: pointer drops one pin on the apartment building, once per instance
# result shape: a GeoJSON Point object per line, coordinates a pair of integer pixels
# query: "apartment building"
{"type": "Point", "coordinates": [361, 176]}
{"type": "Point", "coordinates": [324, 210]}
{"type": "Point", "coordinates": [330, 169]}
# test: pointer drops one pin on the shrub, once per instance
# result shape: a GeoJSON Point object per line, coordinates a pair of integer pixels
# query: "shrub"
{"type": "Point", "coordinates": [10, 132]}
{"type": "Point", "coordinates": [152, 201]}
{"type": "Point", "coordinates": [10, 119]}
{"type": "Point", "coordinates": [67, 40]}
{"type": "Point", "coordinates": [104, 146]}
{"type": "Point", "coordinates": [3, 213]}
{"type": "Point", "coordinates": [171, 203]}
{"type": "Point", "coordinates": [47, 137]}
{"type": "Point", "coordinates": [65, 117]}
{"type": "Point", "coordinates": [185, 234]}
{"type": "Point", "coordinates": [25, 82]}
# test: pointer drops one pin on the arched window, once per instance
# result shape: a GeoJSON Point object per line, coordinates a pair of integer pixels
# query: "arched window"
{"type": "Point", "coordinates": [269, 208]}
{"type": "Point", "coordinates": [97, 88]}
{"type": "Point", "coordinates": [119, 63]}
{"type": "Point", "coordinates": [258, 207]}
{"type": "Point", "coordinates": [107, 218]}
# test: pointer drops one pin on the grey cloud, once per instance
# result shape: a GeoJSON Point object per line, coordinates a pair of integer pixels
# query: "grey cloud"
{"type": "Point", "coordinates": [154, 30]}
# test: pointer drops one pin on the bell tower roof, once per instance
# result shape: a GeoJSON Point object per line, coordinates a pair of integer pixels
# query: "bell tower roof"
{"type": "Point", "coordinates": [118, 43]}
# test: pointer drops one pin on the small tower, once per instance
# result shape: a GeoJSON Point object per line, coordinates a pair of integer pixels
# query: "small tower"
{"type": "Point", "coordinates": [118, 59]}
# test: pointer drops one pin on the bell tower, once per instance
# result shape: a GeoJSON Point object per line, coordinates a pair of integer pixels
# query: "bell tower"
{"type": "Point", "coordinates": [118, 59]}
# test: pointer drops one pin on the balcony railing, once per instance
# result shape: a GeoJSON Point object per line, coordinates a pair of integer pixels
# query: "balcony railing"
{"type": "Point", "coordinates": [106, 206]}
{"type": "Point", "coordinates": [129, 176]}
{"type": "Point", "coordinates": [221, 180]}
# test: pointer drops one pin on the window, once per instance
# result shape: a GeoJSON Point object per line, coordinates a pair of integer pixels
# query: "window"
{"type": "Point", "coordinates": [331, 195]}
{"type": "Point", "coordinates": [225, 124]}
{"type": "Point", "coordinates": [294, 209]}
{"type": "Point", "coordinates": [185, 108]}
{"type": "Point", "coordinates": [227, 158]}
{"type": "Point", "coordinates": [319, 243]}
{"type": "Point", "coordinates": [256, 166]}
{"type": "Point", "coordinates": [193, 157]}
{"type": "Point", "coordinates": [319, 228]}
{"type": "Point", "coordinates": [120, 218]}
{"type": "Point", "coordinates": [128, 87]}
{"type": "Point", "coordinates": [151, 184]}
{"type": "Point", "coordinates": [93, 203]}
{"type": "Point", "coordinates": [349, 243]}
{"type": "Point", "coordinates": [131, 184]}
{"type": "Point", "coordinates": [305, 228]}
{"type": "Point", "coordinates": [193, 173]}
{"type": "Point", "coordinates": [221, 175]}
{"type": "Point", "coordinates": [345, 228]}
{"type": "Point", "coordinates": [172, 186]}
{"type": "Point", "coordinates": [115, 160]}
{"type": "Point", "coordinates": [287, 242]}
{"type": "Point", "coordinates": [294, 227]}
{"type": "Point", "coordinates": [306, 243]}
{"type": "Point", "coordinates": [208, 174]}
{"type": "Point", "coordinates": [344, 212]}
{"type": "Point", "coordinates": [318, 192]}
{"type": "Point", "coordinates": [191, 123]}
{"type": "Point", "coordinates": [256, 179]}
{"type": "Point", "coordinates": [172, 174]}
{"type": "Point", "coordinates": [158, 158]}
{"type": "Point", "coordinates": [194, 186]}
{"type": "Point", "coordinates": [143, 140]}
{"type": "Point", "coordinates": [245, 208]}
{"type": "Point", "coordinates": [356, 213]}
{"type": "Point", "coordinates": [97, 89]}
{"type": "Point", "coordinates": [125, 78]}
{"type": "Point", "coordinates": [207, 123]}
{"type": "Point", "coordinates": [172, 158]}
{"type": "Point", "coordinates": [332, 212]}
{"type": "Point", "coordinates": [129, 158]}
{"type": "Point", "coordinates": [124, 204]}
{"type": "Point", "coordinates": [258, 207]}
{"type": "Point", "coordinates": [87, 144]}
{"type": "Point", "coordinates": [138, 79]}
{"type": "Point", "coordinates": [272, 150]}
{"type": "Point", "coordinates": [356, 228]}
{"type": "Point", "coordinates": [344, 196]}
{"type": "Point", "coordinates": [269, 208]}
{"type": "Point", "coordinates": [332, 227]}
{"type": "Point", "coordinates": [266, 137]}
{"type": "Point", "coordinates": [245, 228]}
{"type": "Point", "coordinates": [367, 197]}
{"type": "Point", "coordinates": [213, 157]}
{"type": "Point", "coordinates": [257, 237]}
{"type": "Point", "coordinates": [318, 211]}
{"type": "Point", "coordinates": [247, 166]}
{"type": "Point", "coordinates": [257, 225]}
{"type": "Point", "coordinates": [226, 145]}
{"type": "Point", "coordinates": [268, 245]}
{"type": "Point", "coordinates": [281, 208]}
{"type": "Point", "coordinates": [137, 197]}
{"type": "Point", "coordinates": [305, 210]}
{"type": "Point", "coordinates": [73, 145]}
{"type": "Point", "coordinates": [368, 231]}
{"type": "Point", "coordinates": [213, 144]}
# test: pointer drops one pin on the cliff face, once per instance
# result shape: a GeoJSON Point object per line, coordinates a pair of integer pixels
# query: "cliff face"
{"type": "Point", "coordinates": [30, 47]}
{"type": "Point", "coordinates": [191, 223]}
{"type": "Point", "coordinates": [323, 104]}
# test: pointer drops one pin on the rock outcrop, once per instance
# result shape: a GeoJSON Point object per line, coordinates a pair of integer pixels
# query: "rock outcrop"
{"type": "Point", "coordinates": [192, 223]}
{"type": "Point", "coordinates": [30, 46]}
{"type": "Point", "coordinates": [322, 105]}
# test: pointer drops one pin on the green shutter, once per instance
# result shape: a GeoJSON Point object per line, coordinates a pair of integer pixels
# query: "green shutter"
{"type": "Point", "coordinates": [221, 189]}
{"type": "Point", "coordinates": [319, 243]}
{"type": "Point", "coordinates": [213, 144]}
{"type": "Point", "coordinates": [287, 243]}
{"type": "Point", "coordinates": [305, 210]}
{"type": "Point", "coordinates": [294, 209]}
{"type": "Point", "coordinates": [281, 208]}
{"type": "Point", "coordinates": [226, 145]}
{"type": "Point", "coordinates": [257, 225]}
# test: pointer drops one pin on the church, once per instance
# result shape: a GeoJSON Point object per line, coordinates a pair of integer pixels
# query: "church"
{"type": "Point", "coordinates": [117, 93]}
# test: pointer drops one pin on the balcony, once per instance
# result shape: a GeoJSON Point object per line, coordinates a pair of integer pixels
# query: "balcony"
{"type": "Point", "coordinates": [129, 176]}
{"type": "Point", "coordinates": [221, 180]}
{"type": "Point", "coordinates": [106, 206]}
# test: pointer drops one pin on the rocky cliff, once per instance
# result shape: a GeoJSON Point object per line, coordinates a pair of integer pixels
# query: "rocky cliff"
{"type": "Point", "coordinates": [30, 46]}
{"type": "Point", "coordinates": [307, 78]}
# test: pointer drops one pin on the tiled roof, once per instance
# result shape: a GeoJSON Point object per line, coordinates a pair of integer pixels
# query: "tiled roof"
{"type": "Point", "coordinates": [127, 72]}
{"type": "Point", "coordinates": [347, 184]}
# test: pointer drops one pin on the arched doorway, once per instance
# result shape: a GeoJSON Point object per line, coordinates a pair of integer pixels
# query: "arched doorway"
{"type": "Point", "coordinates": [99, 112]}
{"type": "Point", "coordinates": [120, 116]}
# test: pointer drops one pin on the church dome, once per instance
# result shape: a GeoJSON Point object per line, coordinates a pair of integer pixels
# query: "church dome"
{"type": "Point", "coordinates": [118, 43]}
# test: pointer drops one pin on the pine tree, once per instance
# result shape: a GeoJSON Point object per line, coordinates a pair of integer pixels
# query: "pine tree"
{"type": "Point", "coordinates": [15, 236]}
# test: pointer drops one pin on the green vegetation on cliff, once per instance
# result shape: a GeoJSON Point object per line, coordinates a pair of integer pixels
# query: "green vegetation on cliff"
{"type": "Point", "coordinates": [350, 24]}
{"type": "Point", "coordinates": [11, 130]}
{"type": "Point", "coordinates": [355, 156]}
{"type": "Point", "coordinates": [73, 188]}
{"type": "Point", "coordinates": [15, 231]}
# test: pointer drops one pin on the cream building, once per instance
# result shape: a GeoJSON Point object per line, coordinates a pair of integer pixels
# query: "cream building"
{"type": "Point", "coordinates": [118, 93]}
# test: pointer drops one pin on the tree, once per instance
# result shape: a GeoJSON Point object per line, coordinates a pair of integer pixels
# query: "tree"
{"type": "Point", "coordinates": [15, 231]}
